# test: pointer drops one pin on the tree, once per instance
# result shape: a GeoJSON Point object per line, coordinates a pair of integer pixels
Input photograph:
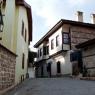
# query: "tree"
{"type": "Point", "coordinates": [31, 55]}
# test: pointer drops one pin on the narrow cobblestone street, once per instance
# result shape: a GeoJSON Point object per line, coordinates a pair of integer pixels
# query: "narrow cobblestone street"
{"type": "Point", "coordinates": [54, 86]}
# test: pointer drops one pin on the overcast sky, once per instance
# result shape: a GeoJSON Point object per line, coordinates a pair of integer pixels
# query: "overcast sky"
{"type": "Point", "coordinates": [46, 13]}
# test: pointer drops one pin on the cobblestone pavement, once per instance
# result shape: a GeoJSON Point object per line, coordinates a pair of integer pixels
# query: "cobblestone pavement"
{"type": "Point", "coordinates": [54, 86]}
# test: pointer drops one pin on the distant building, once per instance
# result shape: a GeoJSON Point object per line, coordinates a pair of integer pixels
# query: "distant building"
{"type": "Point", "coordinates": [88, 57]}
{"type": "Point", "coordinates": [31, 67]}
{"type": "Point", "coordinates": [17, 33]}
{"type": "Point", "coordinates": [57, 54]}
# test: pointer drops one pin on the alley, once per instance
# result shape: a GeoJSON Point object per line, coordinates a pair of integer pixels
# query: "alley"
{"type": "Point", "coordinates": [54, 86]}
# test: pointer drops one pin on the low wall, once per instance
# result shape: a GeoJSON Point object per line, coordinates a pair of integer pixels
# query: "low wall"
{"type": "Point", "coordinates": [89, 60]}
{"type": "Point", "coordinates": [7, 68]}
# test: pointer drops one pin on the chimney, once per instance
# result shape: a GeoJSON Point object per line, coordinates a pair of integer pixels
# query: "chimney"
{"type": "Point", "coordinates": [93, 18]}
{"type": "Point", "coordinates": [79, 16]}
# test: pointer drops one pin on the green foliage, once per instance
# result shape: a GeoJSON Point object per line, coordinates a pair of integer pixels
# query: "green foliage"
{"type": "Point", "coordinates": [31, 56]}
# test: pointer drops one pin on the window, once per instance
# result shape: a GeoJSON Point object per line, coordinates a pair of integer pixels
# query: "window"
{"type": "Point", "coordinates": [45, 50]}
{"type": "Point", "coordinates": [22, 28]}
{"type": "Point", "coordinates": [66, 38]}
{"type": "Point", "coordinates": [23, 61]}
{"type": "Point", "coordinates": [52, 44]}
{"type": "Point", "coordinates": [57, 40]}
{"type": "Point", "coordinates": [40, 52]}
{"type": "Point", "coordinates": [25, 35]}
{"type": "Point", "coordinates": [75, 56]}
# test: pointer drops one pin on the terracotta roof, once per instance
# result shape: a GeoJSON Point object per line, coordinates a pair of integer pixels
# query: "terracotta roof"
{"type": "Point", "coordinates": [59, 24]}
{"type": "Point", "coordinates": [85, 44]}
{"type": "Point", "coordinates": [29, 14]}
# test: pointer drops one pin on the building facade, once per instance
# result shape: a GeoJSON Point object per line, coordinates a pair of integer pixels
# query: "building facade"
{"type": "Point", "coordinates": [17, 33]}
{"type": "Point", "coordinates": [56, 48]}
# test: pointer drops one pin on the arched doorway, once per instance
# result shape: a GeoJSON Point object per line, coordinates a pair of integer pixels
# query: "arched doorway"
{"type": "Point", "coordinates": [42, 71]}
{"type": "Point", "coordinates": [49, 69]}
{"type": "Point", "coordinates": [58, 67]}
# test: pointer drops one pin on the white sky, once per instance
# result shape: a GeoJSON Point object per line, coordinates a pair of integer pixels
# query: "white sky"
{"type": "Point", "coordinates": [46, 13]}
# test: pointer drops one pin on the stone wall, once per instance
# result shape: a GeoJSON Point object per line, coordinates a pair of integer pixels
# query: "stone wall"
{"type": "Point", "coordinates": [80, 35]}
{"type": "Point", "coordinates": [7, 68]}
{"type": "Point", "coordinates": [89, 59]}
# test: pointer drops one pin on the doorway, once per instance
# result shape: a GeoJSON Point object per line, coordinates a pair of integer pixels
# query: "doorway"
{"type": "Point", "coordinates": [77, 63]}
{"type": "Point", "coordinates": [42, 71]}
{"type": "Point", "coordinates": [49, 69]}
{"type": "Point", "coordinates": [58, 67]}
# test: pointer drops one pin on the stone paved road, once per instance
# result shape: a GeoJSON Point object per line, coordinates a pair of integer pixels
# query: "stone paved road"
{"type": "Point", "coordinates": [55, 86]}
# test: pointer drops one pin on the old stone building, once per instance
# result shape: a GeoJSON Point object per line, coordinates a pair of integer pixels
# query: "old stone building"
{"type": "Point", "coordinates": [7, 68]}
{"type": "Point", "coordinates": [57, 54]}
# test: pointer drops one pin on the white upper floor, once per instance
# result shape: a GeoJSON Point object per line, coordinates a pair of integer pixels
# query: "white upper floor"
{"type": "Point", "coordinates": [57, 42]}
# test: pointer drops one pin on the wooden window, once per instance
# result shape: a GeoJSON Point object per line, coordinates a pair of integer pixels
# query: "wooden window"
{"type": "Point", "coordinates": [57, 40]}
{"type": "Point", "coordinates": [75, 56]}
{"type": "Point", "coordinates": [66, 39]}
{"type": "Point", "coordinates": [52, 44]}
{"type": "Point", "coordinates": [40, 52]}
{"type": "Point", "coordinates": [22, 28]}
{"type": "Point", "coordinates": [25, 35]}
{"type": "Point", "coordinates": [23, 57]}
{"type": "Point", "coordinates": [45, 50]}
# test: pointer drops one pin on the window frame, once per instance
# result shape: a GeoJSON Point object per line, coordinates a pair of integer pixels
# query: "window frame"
{"type": "Point", "coordinates": [57, 40]}
{"type": "Point", "coordinates": [52, 44]}
{"type": "Point", "coordinates": [40, 52]}
{"type": "Point", "coordinates": [45, 50]}
{"type": "Point", "coordinates": [65, 38]}
{"type": "Point", "coordinates": [23, 28]}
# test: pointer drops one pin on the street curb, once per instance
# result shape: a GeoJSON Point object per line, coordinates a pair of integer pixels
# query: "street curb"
{"type": "Point", "coordinates": [88, 78]}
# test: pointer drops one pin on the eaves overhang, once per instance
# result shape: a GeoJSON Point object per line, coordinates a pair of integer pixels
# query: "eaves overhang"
{"type": "Point", "coordinates": [59, 24]}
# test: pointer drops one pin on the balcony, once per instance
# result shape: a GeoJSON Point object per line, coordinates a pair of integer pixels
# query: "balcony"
{"type": "Point", "coordinates": [43, 53]}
